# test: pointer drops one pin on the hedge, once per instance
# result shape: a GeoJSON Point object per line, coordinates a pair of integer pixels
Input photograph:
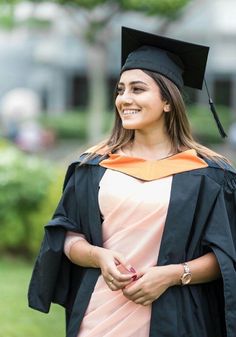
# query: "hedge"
{"type": "Point", "coordinates": [30, 189]}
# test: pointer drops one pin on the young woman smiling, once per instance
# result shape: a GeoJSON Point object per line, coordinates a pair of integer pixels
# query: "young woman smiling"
{"type": "Point", "coordinates": [142, 242]}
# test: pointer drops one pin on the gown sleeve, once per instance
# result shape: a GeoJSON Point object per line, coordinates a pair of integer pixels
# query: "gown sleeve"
{"type": "Point", "coordinates": [220, 237]}
{"type": "Point", "coordinates": [51, 273]}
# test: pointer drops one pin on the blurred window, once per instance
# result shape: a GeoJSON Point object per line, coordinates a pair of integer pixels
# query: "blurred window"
{"type": "Point", "coordinates": [223, 91]}
{"type": "Point", "coordinates": [44, 99]}
{"type": "Point", "coordinates": [79, 92]}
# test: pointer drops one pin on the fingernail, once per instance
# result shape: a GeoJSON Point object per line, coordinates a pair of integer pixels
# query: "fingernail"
{"type": "Point", "coordinates": [134, 277]}
{"type": "Point", "coordinates": [132, 270]}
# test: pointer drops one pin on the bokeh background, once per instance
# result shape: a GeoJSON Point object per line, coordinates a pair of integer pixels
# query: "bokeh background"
{"type": "Point", "coordinates": [59, 63]}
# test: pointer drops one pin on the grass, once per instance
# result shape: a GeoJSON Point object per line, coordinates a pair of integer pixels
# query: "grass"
{"type": "Point", "coordinates": [16, 319]}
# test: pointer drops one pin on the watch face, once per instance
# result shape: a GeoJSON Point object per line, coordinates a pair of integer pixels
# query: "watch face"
{"type": "Point", "coordinates": [186, 278]}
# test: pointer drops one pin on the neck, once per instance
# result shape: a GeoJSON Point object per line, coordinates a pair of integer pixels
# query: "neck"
{"type": "Point", "coordinates": [150, 146]}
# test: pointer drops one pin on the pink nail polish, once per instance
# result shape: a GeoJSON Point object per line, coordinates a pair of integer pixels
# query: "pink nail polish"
{"type": "Point", "coordinates": [132, 270]}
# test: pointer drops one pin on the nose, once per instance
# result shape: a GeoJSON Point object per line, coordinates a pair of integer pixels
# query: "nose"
{"type": "Point", "coordinates": [125, 99]}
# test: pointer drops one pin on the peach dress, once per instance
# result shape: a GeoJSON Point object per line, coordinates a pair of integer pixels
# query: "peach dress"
{"type": "Point", "coordinates": [134, 213]}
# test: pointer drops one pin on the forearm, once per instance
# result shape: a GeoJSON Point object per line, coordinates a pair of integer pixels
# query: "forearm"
{"type": "Point", "coordinates": [79, 250]}
{"type": "Point", "coordinates": [156, 280]}
{"type": "Point", "coordinates": [204, 269]}
{"type": "Point", "coordinates": [82, 253]}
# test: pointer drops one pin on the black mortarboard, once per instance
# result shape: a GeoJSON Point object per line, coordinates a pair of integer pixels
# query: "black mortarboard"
{"type": "Point", "coordinates": [181, 62]}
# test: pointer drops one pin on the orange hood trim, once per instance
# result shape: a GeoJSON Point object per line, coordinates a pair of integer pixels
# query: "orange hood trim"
{"type": "Point", "coordinates": [154, 169]}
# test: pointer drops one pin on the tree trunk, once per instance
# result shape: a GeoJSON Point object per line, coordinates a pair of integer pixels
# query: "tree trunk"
{"type": "Point", "coordinates": [96, 68]}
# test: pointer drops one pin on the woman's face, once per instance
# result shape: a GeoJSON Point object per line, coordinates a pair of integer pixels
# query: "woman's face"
{"type": "Point", "coordinates": [139, 102]}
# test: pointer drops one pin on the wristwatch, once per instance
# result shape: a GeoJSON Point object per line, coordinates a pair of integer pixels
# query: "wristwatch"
{"type": "Point", "coordinates": [187, 275]}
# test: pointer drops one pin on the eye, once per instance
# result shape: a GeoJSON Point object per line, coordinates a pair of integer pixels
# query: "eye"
{"type": "Point", "coordinates": [119, 91]}
{"type": "Point", "coordinates": [137, 89]}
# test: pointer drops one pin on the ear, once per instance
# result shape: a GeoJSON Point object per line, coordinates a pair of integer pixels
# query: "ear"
{"type": "Point", "coordinates": [167, 107]}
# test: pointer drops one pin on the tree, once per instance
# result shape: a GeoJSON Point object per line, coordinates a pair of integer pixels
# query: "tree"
{"type": "Point", "coordinates": [97, 14]}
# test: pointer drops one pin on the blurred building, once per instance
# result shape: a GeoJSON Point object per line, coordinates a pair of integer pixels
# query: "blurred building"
{"type": "Point", "coordinates": [51, 59]}
{"type": "Point", "coordinates": [213, 23]}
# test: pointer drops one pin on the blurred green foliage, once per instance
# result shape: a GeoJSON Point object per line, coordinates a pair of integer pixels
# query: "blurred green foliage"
{"type": "Point", "coordinates": [203, 124]}
{"type": "Point", "coordinates": [70, 124]}
{"type": "Point", "coordinates": [164, 7]}
{"type": "Point", "coordinates": [89, 4]}
{"type": "Point", "coordinates": [8, 20]}
{"type": "Point", "coordinates": [29, 187]}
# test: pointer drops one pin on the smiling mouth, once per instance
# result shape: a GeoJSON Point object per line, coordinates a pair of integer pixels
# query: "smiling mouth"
{"type": "Point", "coordinates": [129, 112]}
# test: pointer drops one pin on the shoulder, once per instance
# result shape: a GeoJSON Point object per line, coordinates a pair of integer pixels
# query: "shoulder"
{"type": "Point", "coordinates": [217, 172]}
{"type": "Point", "coordinates": [223, 173]}
{"type": "Point", "coordinates": [220, 165]}
{"type": "Point", "coordinates": [87, 159]}
{"type": "Point", "coordinates": [93, 155]}
{"type": "Point", "coordinates": [83, 167]}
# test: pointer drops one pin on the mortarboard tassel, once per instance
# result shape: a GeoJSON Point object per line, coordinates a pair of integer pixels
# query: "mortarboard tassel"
{"type": "Point", "coordinates": [213, 110]}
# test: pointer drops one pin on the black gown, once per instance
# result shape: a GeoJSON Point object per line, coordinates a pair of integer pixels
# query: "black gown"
{"type": "Point", "coordinates": [201, 218]}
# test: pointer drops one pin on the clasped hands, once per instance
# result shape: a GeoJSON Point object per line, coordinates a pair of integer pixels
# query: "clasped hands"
{"type": "Point", "coordinates": [141, 287]}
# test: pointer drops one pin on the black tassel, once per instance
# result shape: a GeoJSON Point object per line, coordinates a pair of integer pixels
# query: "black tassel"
{"type": "Point", "coordinates": [213, 110]}
{"type": "Point", "coordinates": [218, 123]}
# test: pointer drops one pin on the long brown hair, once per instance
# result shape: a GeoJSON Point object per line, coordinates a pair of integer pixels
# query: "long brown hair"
{"type": "Point", "coordinates": [176, 123]}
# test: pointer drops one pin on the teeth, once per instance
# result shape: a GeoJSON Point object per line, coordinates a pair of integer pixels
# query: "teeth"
{"type": "Point", "coordinates": [130, 112]}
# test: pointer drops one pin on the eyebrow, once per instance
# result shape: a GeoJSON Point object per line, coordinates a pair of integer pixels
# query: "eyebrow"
{"type": "Point", "coordinates": [133, 83]}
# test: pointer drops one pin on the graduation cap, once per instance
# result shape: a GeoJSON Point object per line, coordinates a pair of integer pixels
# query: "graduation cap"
{"type": "Point", "coordinates": [181, 62]}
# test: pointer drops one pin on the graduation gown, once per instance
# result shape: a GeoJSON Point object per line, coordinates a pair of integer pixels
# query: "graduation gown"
{"type": "Point", "coordinates": [201, 218]}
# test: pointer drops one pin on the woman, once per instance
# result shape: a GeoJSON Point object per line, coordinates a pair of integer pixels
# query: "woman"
{"type": "Point", "coordinates": [163, 261]}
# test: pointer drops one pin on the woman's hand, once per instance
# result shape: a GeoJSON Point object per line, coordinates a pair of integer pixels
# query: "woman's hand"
{"type": "Point", "coordinates": [152, 284]}
{"type": "Point", "coordinates": [109, 262]}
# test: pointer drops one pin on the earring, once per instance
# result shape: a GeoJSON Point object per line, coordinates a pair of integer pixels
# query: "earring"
{"type": "Point", "coordinates": [167, 108]}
